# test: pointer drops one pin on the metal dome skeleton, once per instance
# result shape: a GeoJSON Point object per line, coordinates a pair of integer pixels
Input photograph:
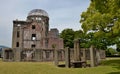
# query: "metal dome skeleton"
{"type": "Point", "coordinates": [38, 12]}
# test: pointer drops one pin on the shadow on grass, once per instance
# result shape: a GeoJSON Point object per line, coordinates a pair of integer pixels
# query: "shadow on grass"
{"type": "Point", "coordinates": [114, 63]}
{"type": "Point", "coordinates": [114, 73]}
{"type": "Point", "coordinates": [61, 65]}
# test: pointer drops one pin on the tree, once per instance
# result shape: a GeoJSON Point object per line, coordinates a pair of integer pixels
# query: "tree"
{"type": "Point", "coordinates": [110, 51]}
{"type": "Point", "coordinates": [78, 34]}
{"type": "Point", "coordinates": [68, 37]}
{"type": "Point", "coordinates": [103, 19]}
{"type": "Point", "coordinates": [89, 40]}
{"type": "Point", "coordinates": [118, 47]}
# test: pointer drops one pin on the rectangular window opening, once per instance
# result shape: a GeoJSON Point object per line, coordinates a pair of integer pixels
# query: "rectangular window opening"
{"type": "Point", "coordinates": [33, 46]}
{"type": "Point", "coordinates": [18, 34]}
{"type": "Point", "coordinates": [18, 25]}
{"type": "Point", "coordinates": [33, 26]}
{"type": "Point", "coordinates": [17, 44]}
{"type": "Point", "coordinates": [33, 36]}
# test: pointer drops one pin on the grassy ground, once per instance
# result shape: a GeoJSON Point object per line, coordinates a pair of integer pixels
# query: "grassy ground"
{"type": "Point", "coordinates": [107, 67]}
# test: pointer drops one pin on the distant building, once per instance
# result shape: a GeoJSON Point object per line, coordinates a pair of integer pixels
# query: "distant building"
{"type": "Point", "coordinates": [32, 39]}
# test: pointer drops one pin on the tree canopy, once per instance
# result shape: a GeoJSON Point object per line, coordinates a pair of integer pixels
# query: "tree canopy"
{"type": "Point", "coordinates": [100, 24]}
{"type": "Point", "coordinates": [102, 18]}
{"type": "Point", "coordinates": [68, 37]}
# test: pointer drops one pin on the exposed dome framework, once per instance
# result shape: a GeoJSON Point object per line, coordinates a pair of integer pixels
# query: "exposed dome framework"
{"type": "Point", "coordinates": [38, 12]}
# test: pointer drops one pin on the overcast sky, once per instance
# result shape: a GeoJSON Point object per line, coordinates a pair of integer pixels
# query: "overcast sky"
{"type": "Point", "coordinates": [62, 13]}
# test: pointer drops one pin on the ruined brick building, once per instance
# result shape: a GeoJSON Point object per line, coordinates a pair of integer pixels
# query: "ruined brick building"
{"type": "Point", "coordinates": [32, 39]}
{"type": "Point", "coordinates": [34, 32]}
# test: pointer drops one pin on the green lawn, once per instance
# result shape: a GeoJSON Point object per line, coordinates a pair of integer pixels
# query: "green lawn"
{"type": "Point", "coordinates": [107, 67]}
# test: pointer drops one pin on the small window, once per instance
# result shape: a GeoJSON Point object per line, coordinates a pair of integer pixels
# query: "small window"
{"type": "Point", "coordinates": [17, 44]}
{"type": "Point", "coordinates": [38, 18]}
{"type": "Point", "coordinates": [33, 46]}
{"type": "Point", "coordinates": [18, 25]}
{"type": "Point", "coordinates": [18, 34]}
{"type": "Point", "coordinates": [33, 26]}
{"type": "Point", "coordinates": [33, 36]}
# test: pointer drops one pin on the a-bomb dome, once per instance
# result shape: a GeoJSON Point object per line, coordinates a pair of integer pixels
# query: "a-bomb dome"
{"type": "Point", "coordinates": [38, 12]}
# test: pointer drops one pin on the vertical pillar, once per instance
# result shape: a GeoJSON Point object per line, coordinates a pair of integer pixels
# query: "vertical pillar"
{"type": "Point", "coordinates": [37, 55]}
{"type": "Point", "coordinates": [52, 55]}
{"type": "Point", "coordinates": [77, 55]}
{"type": "Point", "coordinates": [78, 51]}
{"type": "Point", "coordinates": [56, 57]}
{"type": "Point", "coordinates": [17, 54]}
{"type": "Point", "coordinates": [98, 59]}
{"type": "Point", "coordinates": [67, 57]}
{"type": "Point", "coordinates": [3, 54]}
{"type": "Point", "coordinates": [41, 54]}
{"type": "Point", "coordinates": [92, 56]}
{"type": "Point", "coordinates": [75, 50]}
{"type": "Point", "coordinates": [9, 51]}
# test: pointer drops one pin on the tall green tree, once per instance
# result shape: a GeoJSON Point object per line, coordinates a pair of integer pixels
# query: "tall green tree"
{"type": "Point", "coordinates": [68, 37]}
{"type": "Point", "coordinates": [103, 19]}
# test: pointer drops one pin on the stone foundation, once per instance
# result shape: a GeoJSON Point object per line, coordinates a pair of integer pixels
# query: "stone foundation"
{"type": "Point", "coordinates": [37, 55]}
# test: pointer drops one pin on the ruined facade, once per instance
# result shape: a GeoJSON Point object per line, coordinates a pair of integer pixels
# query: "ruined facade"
{"type": "Point", "coordinates": [32, 39]}
{"type": "Point", "coordinates": [34, 32]}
